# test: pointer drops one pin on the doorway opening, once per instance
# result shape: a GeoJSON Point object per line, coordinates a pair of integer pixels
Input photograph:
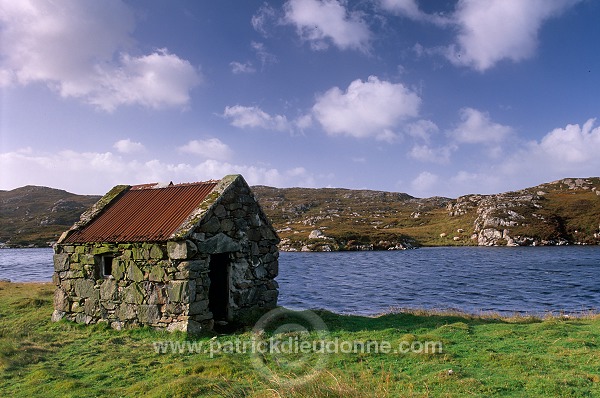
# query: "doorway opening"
{"type": "Point", "coordinates": [218, 293]}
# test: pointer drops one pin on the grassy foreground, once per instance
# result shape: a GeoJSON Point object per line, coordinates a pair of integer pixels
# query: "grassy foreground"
{"type": "Point", "coordinates": [487, 356]}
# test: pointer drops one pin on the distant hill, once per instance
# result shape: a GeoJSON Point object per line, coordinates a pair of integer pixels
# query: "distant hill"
{"type": "Point", "coordinates": [557, 213]}
{"type": "Point", "coordinates": [36, 216]}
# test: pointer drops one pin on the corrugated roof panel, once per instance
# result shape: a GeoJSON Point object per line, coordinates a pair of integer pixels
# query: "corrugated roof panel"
{"type": "Point", "coordinates": [144, 214]}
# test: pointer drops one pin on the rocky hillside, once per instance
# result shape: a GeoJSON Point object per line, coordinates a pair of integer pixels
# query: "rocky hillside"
{"type": "Point", "coordinates": [557, 213]}
{"type": "Point", "coordinates": [327, 219]}
{"type": "Point", "coordinates": [36, 216]}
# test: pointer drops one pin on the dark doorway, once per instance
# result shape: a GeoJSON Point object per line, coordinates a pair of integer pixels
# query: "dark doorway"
{"type": "Point", "coordinates": [218, 293]}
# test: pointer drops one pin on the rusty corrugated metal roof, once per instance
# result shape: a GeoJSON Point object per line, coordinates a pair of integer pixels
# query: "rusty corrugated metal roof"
{"type": "Point", "coordinates": [144, 214]}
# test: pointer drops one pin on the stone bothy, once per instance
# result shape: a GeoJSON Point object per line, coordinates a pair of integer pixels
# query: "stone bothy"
{"type": "Point", "coordinates": [175, 257]}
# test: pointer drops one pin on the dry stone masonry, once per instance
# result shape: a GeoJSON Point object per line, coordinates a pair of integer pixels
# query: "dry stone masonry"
{"type": "Point", "coordinates": [219, 266]}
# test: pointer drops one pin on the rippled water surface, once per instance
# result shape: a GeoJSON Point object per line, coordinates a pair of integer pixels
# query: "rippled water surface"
{"type": "Point", "coordinates": [473, 279]}
{"type": "Point", "coordinates": [26, 265]}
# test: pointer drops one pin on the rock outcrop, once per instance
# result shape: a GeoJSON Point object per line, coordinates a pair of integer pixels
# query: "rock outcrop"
{"type": "Point", "coordinates": [558, 213]}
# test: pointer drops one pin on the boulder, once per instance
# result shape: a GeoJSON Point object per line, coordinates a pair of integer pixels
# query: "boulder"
{"type": "Point", "coordinates": [316, 234]}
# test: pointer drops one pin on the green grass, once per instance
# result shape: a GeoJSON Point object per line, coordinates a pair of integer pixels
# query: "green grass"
{"type": "Point", "coordinates": [488, 356]}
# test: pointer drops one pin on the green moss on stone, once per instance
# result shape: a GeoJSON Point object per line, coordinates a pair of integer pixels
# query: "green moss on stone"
{"type": "Point", "coordinates": [133, 294]}
{"type": "Point", "coordinates": [87, 259]}
{"type": "Point", "coordinates": [157, 274]}
{"type": "Point", "coordinates": [110, 195]}
{"type": "Point", "coordinates": [134, 272]}
{"type": "Point", "coordinates": [178, 291]}
{"type": "Point", "coordinates": [156, 252]}
{"type": "Point", "coordinates": [141, 253]}
{"type": "Point", "coordinates": [118, 269]}
{"type": "Point", "coordinates": [104, 248]}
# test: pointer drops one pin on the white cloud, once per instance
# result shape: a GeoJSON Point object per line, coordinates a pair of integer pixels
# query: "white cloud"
{"type": "Point", "coordinates": [238, 67]}
{"type": "Point", "coordinates": [493, 30]}
{"type": "Point", "coordinates": [254, 117]}
{"type": "Point", "coordinates": [388, 136]}
{"type": "Point", "coordinates": [97, 172]}
{"type": "Point", "coordinates": [262, 18]}
{"type": "Point", "coordinates": [425, 153]}
{"type": "Point", "coordinates": [265, 57]}
{"type": "Point", "coordinates": [303, 122]}
{"type": "Point", "coordinates": [477, 128]}
{"type": "Point", "coordinates": [300, 174]}
{"type": "Point", "coordinates": [321, 22]}
{"type": "Point", "coordinates": [422, 129]}
{"type": "Point", "coordinates": [573, 144]}
{"type": "Point", "coordinates": [424, 183]}
{"type": "Point", "coordinates": [80, 49]}
{"type": "Point", "coordinates": [571, 151]}
{"type": "Point", "coordinates": [211, 148]}
{"type": "Point", "coordinates": [128, 146]}
{"type": "Point", "coordinates": [463, 177]}
{"type": "Point", "coordinates": [410, 8]}
{"type": "Point", "coordinates": [366, 109]}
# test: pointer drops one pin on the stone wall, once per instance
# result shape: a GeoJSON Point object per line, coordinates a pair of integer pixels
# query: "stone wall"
{"type": "Point", "coordinates": [166, 284]}
{"type": "Point", "coordinates": [146, 286]}
{"type": "Point", "coordinates": [237, 225]}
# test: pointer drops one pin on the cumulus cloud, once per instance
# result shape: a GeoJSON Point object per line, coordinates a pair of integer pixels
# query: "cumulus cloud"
{"type": "Point", "coordinates": [211, 148]}
{"type": "Point", "coordinates": [410, 9]}
{"type": "Point", "coordinates": [303, 122]}
{"type": "Point", "coordinates": [97, 172]}
{"type": "Point", "coordinates": [325, 22]}
{"type": "Point", "coordinates": [570, 151]}
{"type": "Point", "coordinates": [128, 146]}
{"type": "Point", "coordinates": [424, 182]}
{"type": "Point", "coordinates": [426, 153]}
{"type": "Point", "coordinates": [422, 129]}
{"type": "Point", "coordinates": [495, 30]}
{"type": "Point", "coordinates": [254, 117]}
{"type": "Point", "coordinates": [81, 49]}
{"type": "Point", "coordinates": [573, 144]}
{"type": "Point", "coordinates": [238, 67]}
{"type": "Point", "coordinates": [371, 108]}
{"type": "Point", "coordinates": [476, 127]}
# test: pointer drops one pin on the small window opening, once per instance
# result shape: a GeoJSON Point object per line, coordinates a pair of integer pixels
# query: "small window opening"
{"type": "Point", "coordinates": [107, 265]}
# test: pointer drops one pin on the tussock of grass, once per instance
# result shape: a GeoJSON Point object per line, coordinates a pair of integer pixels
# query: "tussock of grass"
{"type": "Point", "coordinates": [488, 355]}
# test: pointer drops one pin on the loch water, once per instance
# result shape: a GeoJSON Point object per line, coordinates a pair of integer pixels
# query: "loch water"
{"type": "Point", "coordinates": [505, 280]}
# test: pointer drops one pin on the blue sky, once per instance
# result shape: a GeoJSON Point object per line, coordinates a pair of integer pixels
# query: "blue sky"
{"type": "Point", "coordinates": [425, 97]}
